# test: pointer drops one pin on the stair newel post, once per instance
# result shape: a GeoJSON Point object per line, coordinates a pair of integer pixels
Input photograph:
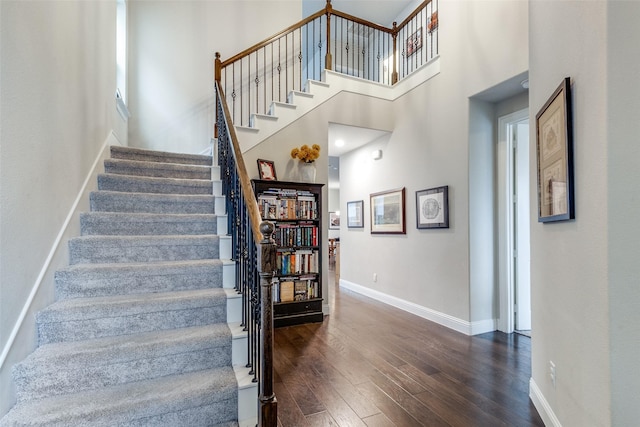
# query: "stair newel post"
{"type": "Point", "coordinates": [268, 410]}
{"type": "Point", "coordinates": [327, 59]}
{"type": "Point", "coordinates": [218, 79]}
{"type": "Point", "coordinates": [394, 75]}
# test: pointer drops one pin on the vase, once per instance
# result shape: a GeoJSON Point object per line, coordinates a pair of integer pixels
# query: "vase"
{"type": "Point", "coordinates": [307, 172]}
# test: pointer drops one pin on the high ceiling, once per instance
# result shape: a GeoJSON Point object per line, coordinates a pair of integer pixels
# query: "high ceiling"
{"type": "Point", "coordinates": [382, 12]}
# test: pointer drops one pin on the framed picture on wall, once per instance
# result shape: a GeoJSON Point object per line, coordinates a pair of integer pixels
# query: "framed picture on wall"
{"type": "Point", "coordinates": [554, 152]}
{"type": "Point", "coordinates": [432, 207]}
{"type": "Point", "coordinates": [334, 220]}
{"type": "Point", "coordinates": [267, 170]}
{"type": "Point", "coordinates": [387, 212]}
{"type": "Point", "coordinates": [355, 218]}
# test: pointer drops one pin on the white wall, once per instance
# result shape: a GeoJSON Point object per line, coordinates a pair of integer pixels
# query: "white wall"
{"type": "Point", "coordinates": [623, 201]}
{"type": "Point", "coordinates": [171, 56]}
{"type": "Point", "coordinates": [440, 138]}
{"type": "Point", "coordinates": [573, 262]}
{"type": "Point", "coordinates": [333, 205]}
{"type": "Point", "coordinates": [483, 296]}
{"type": "Point", "coordinates": [57, 108]}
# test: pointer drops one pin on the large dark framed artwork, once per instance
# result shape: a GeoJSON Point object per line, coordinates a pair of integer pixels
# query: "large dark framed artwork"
{"type": "Point", "coordinates": [554, 151]}
{"type": "Point", "coordinates": [432, 208]}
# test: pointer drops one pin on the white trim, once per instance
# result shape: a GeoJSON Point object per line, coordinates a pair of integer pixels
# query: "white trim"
{"type": "Point", "coordinates": [451, 322]}
{"type": "Point", "coordinates": [506, 319]}
{"type": "Point", "coordinates": [544, 409]}
{"type": "Point", "coordinates": [110, 140]}
{"type": "Point", "coordinates": [483, 326]}
{"type": "Point", "coordinates": [332, 85]}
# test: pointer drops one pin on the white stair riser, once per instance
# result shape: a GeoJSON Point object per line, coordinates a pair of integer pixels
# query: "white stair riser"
{"type": "Point", "coordinates": [247, 398]}
{"type": "Point", "coordinates": [228, 275]}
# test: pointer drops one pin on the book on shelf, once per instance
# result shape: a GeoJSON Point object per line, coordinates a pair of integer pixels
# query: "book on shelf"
{"type": "Point", "coordinates": [298, 261]}
{"type": "Point", "coordinates": [287, 291]}
{"type": "Point", "coordinates": [289, 234]}
{"type": "Point", "coordinates": [299, 288]}
{"type": "Point", "coordinates": [287, 204]}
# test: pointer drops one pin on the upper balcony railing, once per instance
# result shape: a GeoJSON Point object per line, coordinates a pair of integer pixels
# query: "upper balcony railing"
{"type": "Point", "coordinates": [329, 39]}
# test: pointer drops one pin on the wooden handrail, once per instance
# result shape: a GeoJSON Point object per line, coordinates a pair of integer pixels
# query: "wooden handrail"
{"type": "Point", "coordinates": [362, 21]}
{"type": "Point", "coordinates": [271, 39]}
{"type": "Point", "coordinates": [328, 10]}
{"type": "Point", "coordinates": [245, 182]}
{"type": "Point", "coordinates": [414, 13]}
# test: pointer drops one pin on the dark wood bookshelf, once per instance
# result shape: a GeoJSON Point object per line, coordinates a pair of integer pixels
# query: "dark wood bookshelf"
{"type": "Point", "coordinates": [295, 208]}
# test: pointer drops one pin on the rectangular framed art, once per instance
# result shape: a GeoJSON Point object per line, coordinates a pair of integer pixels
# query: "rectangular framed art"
{"type": "Point", "coordinates": [355, 217]}
{"type": "Point", "coordinates": [387, 212]}
{"type": "Point", "coordinates": [554, 151]}
{"type": "Point", "coordinates": [432, 208]}
{"type": "Point", "coordinates": [334, 220]}
{"type": "Point", "coordinates": [267, 170]}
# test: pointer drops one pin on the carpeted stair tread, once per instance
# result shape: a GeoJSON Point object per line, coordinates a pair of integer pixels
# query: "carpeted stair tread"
{"type": "Point", "coordinates": [200, 398]}
{"type": "Point", "coordinates": [53, 369]}
{"type": "Point", "coordinates": [156, 169]}
{"type": "Point", "coordinates": [116, 249]}
{"type": "Point", "coordinates": [138, 334]}
{"type": "Point", "coordinates": [116, 201]}
{"type": "Point", "coordinates": [124, 223]}
{"type": "Point", "coordinates": [87, 318]}
{"type": "Point", "coordinates": [125, 305]}
{"type": "Point", "coordinates": [144, 184]}
{"type": "Point", "coordinates": [93, 280]}
{"type": "Point", "coordinates": [130, 153]}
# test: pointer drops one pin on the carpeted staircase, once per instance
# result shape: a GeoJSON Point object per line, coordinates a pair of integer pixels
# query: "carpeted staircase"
{"type": "Point", "coordinates": [138, 335]}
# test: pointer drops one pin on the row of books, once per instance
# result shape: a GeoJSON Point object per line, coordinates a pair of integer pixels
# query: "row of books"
{"type": "Point", "coordinates": [299, 289]}
{"type": "Point", "coordinates": [296, 234]}
{"type": "Point", "coordinates": [281, 208]}
{"type": "Point", "coordinates": [297, 262]}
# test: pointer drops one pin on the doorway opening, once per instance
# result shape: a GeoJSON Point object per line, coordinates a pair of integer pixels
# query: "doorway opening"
{"type": "Point", "coordinates": [514, 222]}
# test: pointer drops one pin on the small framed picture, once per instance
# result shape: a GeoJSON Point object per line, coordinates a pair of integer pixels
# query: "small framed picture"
{"type": "Point", "coordinates": [355, 218]}
{"type": "Point", "coordinates": [334, 220]}
{"type": "Point", "coordinates": [387, 212]}
{"type": "Point", "coordinates": [432, 207]}
{"type": "Point", "coordinates": [554, 149]}
{"type": "Point", "coordinates": [267, 170]}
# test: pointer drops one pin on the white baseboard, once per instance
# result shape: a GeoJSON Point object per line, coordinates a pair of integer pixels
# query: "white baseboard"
{"type": "Point", "coordinates": [451, 322]}
{"type": "Point", "coordinates": [89, 183]}
{"type": "Point", "coordinates": [484, 326]}
{"type": "Point", "coordinates": [544, 409]}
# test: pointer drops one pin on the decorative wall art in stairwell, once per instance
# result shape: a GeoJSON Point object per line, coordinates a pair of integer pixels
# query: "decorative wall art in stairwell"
{"type": "Point", "coordinates": [433, 22]}
{"type": "Point", "coordinates": [554, 150]}
{"type": "Point", "coordinates": [414, 42]}
{"type": "Point", "coordinates": [432, 208]}
{"type": "Point", "coordinates": [267, 170]}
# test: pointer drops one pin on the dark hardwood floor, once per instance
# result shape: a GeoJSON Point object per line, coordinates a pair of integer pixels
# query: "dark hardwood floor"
{"type": "Point", "coordinates": [369, 364]}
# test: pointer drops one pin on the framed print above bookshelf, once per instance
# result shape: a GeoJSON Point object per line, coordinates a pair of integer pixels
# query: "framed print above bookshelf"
{"type": "Point", "coordinates": [355, 217]}
{"type": "Point", "coordinates": [432, 208]}
{"type": "Point", "coordinates": [267, 170]}
{"type": "Point", "coordinates": [387, 212]}
{"type": "Point", "coordinates": [554, 150]}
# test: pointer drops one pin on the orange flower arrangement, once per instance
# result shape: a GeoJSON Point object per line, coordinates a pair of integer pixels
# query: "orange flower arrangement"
{"type": "Point", "coordinates": [305, 153]}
